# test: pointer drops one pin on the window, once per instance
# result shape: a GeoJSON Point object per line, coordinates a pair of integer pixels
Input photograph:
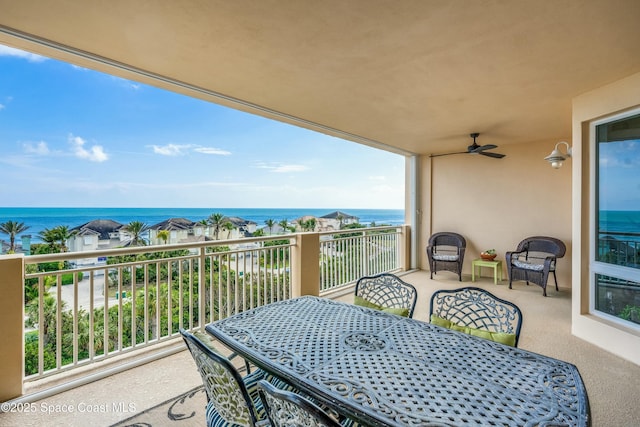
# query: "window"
{"type": "Point", "coordinates": [616, 253]}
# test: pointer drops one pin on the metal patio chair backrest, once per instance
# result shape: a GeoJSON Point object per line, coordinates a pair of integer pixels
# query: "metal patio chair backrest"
{"type": "Point", "coordinates": [285, 409]}
{"type": "Point", "coordinates": [223, 384]}
{"type": "Point", "coordinates": [387, 290]}
{"type": "Point", "coordinates": [477, 308]}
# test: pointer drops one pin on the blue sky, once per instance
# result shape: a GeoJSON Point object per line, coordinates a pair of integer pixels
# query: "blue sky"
{"type": "Point", "coordinates": [76, 137]}
{"type": "Point", "coordinates": [620, 175]}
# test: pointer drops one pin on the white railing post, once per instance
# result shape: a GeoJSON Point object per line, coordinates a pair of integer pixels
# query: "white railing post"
{"type": "Point", "coordinates": [365, 254]}
{"type": "Point", "coordinates": [305, 262]}
{"type": "Point", "coordinates": [11, 326]}
{"type": "Point", "coordinates": [202, 297]}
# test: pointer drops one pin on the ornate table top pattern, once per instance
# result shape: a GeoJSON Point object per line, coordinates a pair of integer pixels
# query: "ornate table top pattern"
{"type": "Point", "coordinates": [382, 369]}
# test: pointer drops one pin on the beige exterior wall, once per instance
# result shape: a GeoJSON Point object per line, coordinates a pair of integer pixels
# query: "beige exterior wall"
{"type": "Point", "coordinates": [11, 326]}
{"type": "Point", "coordinates": [615, 98]}
{"type": "Point", "coordinates": [495, 203]}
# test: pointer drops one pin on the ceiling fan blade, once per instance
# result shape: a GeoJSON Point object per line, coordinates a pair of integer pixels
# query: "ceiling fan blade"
{"type": "Point", "coordinates": [494, 155]}
{"type": "Point", "coordinates": [447, 154]}
{"type": "Point", "coordinates": [486, 147]}
{"type": "Point", "coordinates": [475, 148]}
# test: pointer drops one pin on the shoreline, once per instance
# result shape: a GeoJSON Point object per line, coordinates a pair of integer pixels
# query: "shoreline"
{"type": "Point", "coordinates": [40, 218]}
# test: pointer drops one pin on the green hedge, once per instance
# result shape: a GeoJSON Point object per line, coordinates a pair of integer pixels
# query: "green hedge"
{"type": "Point", "coordinates": [67, 278]}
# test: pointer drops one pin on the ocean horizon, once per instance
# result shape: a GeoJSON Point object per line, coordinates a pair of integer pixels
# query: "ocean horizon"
{"type": "Point", "coordinates": [39, 218]}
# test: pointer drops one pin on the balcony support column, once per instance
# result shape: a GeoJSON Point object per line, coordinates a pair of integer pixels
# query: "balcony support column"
{"type": "Point", "coordinates": [11, 326]}
{"type": "Point", "coordinates": [405, 248]}
{"type": "Point", "coordinates": [305, 265]}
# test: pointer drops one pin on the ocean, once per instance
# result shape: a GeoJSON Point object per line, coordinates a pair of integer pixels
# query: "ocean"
{"type": "Point", "coordinates": [626, 222]}
{"type": "Point", "coordinates": [37, 219]}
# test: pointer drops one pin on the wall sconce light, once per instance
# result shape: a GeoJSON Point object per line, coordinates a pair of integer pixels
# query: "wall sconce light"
{"type": "Point", "coordinates": [556, 157]}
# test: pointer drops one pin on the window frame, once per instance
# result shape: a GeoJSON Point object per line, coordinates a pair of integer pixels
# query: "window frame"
{"type": "Point", "coordinates": [598, 267]}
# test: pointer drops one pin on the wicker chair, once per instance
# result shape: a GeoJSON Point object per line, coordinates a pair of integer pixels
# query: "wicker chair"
{"type": "Point", "coordinates": [232, 399]}
{"type": "Point", "coordinates": [534, 259]}
{"type": "Point", "coordinates": [473, 309]}
{"type": "Point", "coordinates": [387, 291]}
{"type": "Point", "coordinates": [446, 252]}
{"type": "Point", "coordinates": [286, 409]}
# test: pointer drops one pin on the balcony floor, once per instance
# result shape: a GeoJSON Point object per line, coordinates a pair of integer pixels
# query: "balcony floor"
{"type": "Point", "coordinates": [612, 383]}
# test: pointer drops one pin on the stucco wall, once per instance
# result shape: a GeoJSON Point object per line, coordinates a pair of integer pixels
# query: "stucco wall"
{"type": "Point", "coordinates": [11, 326]}
{"type": "Point", "coordinates": [495, 203]}
{"type": "Point", "coordinates": [597, 104]}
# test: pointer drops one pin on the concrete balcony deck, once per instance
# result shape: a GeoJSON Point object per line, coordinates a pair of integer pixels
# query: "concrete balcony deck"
{"type": "Point", "coordinates": [612, 383]}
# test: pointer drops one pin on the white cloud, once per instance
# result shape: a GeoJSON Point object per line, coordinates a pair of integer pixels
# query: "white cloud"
{"type": "Point", "coordinates": [623, 154]}
{"type": "Point", "coordinates": [290, 168]}
{"type": "Point", "coordinates": [126, 83]}
{"type": "Point", "coordinates": [94, 154]}
{"type": "Point", "coordinates": [41, 148]}
{"type": "Point", "coordinates": [211, 150]}
{"type": "Point", "coordinates": [181, 149]}
{"type": "Point", "coordinates": [2, 107]}
{"type": "Point", "coordinates": [277, 168]}
{"type": "Point", "coordinates": [170, 149]}
{"type": "Point", "coordinates": [31, 57]}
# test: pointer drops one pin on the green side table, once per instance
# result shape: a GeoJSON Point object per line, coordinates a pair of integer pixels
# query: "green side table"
{"type": "Point", "coordinates": [479, 263]}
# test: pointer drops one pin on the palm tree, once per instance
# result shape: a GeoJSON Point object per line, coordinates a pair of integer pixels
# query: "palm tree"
{"type": "Point", "coordinates": [228, 226]}
{"type": "Point", "coordinates": [63, 234]}
{"type": "Point", "coordinates": [12, 228]}
{"type": "Point", "coordinates": [50, 237]}
{"type": "Point", "coordinates": [216, 220]}
{"type": "Point", "coordinates": [136, 228]}
{"type": "Point", "coordinates": [270, 223]}
{"type": "Point", "coordinates": [285, 225]}
{"type": "Point", "coordinates": [309, 225]}
{"type": "Point", "coordinates": [164, 235]}
{"type": "Point", "coordinates": [56, 238]}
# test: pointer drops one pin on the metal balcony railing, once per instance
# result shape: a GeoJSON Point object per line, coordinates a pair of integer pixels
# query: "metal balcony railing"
{"type": "Point", "coordinates": [81, 311]}
{"type": "Point", "coordinates": [619, 248]}
{"type": "Point", "coordinates": [613, 295]}
{"type": "Point", "coordinates": [350, 254]}
{"type": "Point", "coordinates": [84, 307]}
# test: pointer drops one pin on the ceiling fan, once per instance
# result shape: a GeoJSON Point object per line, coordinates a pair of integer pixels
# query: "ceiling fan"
{"type": "Point", "coordinates": [476, 149]}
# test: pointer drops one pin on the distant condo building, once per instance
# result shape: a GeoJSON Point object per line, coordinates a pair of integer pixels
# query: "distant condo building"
{"type": "Point", "coordinates": [102, 234]}
{"type": "Point", "coordinates": [98, 234]}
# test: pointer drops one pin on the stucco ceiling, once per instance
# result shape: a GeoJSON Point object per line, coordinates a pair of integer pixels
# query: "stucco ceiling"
{"type": "Point", "coordinates": [414, 75]}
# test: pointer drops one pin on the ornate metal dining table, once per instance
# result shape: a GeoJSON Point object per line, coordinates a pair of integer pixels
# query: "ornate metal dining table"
{"type": "Point", "coordinates": [380, 369]}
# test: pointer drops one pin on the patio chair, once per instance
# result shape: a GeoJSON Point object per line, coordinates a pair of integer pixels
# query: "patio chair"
{"type": "Point", "coordinates": [285, 409]}
{"type": "Point", "coordinates": [232, 399]}
{"type": "Point", "coordinates": [534, 259]}
{"type": "Point", "coordinates": [386, 292]}
{"type": "Point", "coordinates": [445, 251]}
{"type": "Point", "coordinates": [477, 312]}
